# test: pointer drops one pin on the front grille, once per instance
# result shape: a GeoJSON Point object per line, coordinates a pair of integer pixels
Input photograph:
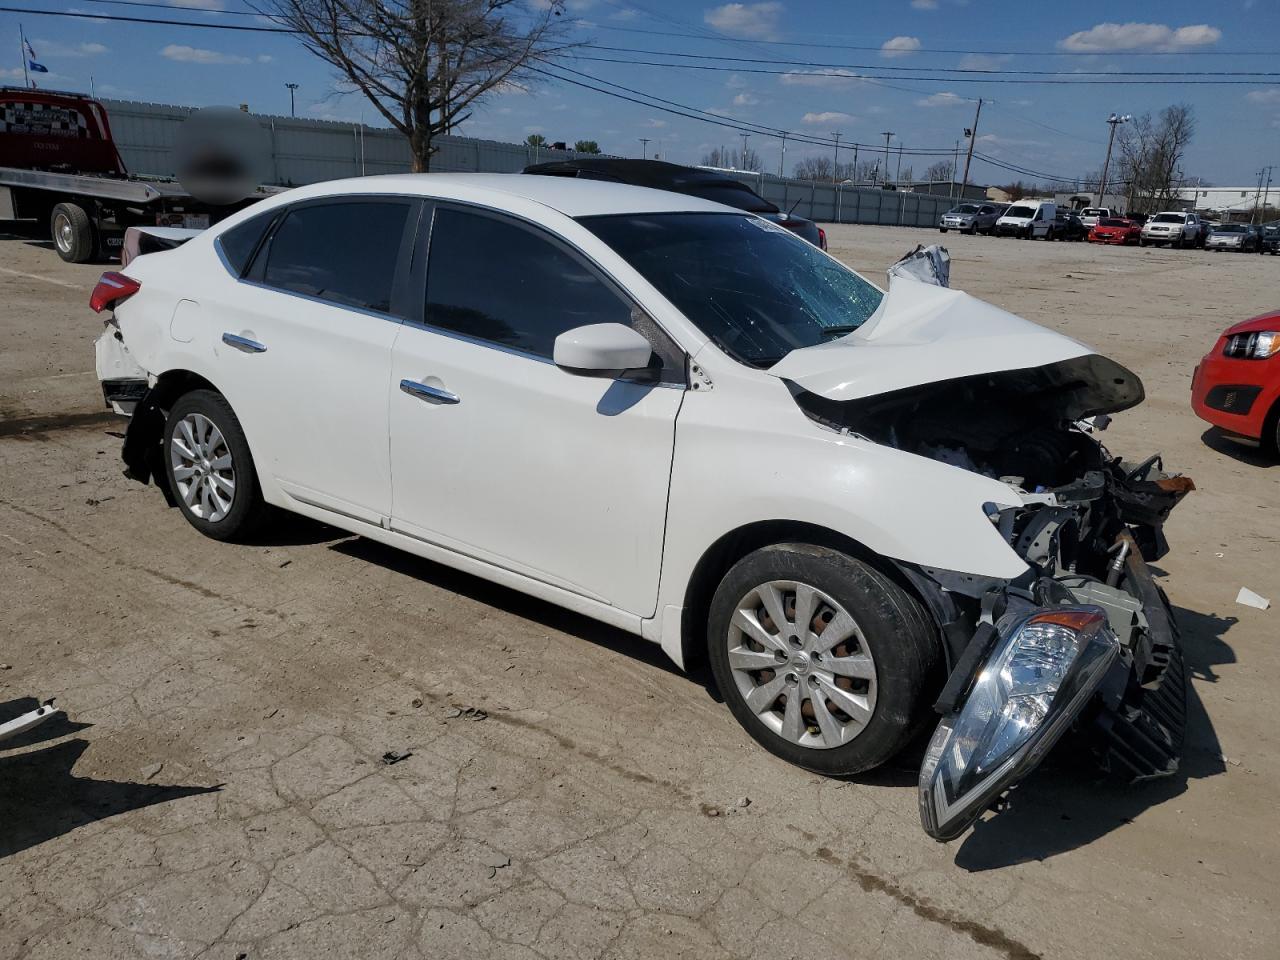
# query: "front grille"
{"type": "Point", "coordinates": [1232, 399]}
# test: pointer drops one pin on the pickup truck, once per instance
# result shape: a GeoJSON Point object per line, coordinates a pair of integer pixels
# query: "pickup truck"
{"type": "Point", "coordinates": [59, 165]}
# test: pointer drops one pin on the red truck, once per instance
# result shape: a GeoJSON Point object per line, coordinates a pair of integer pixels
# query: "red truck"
{"type": "Point", "coordinates": [60, 166]}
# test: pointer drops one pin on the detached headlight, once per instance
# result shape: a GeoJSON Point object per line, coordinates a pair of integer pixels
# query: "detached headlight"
{"type": "Point", "coordinates": [1258, 345]}
{"type": "Point", "coordinates": [1041, 672]}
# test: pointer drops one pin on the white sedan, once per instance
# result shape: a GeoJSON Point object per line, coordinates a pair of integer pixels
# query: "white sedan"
{"type": "Point", "coordinates": [680, 419]}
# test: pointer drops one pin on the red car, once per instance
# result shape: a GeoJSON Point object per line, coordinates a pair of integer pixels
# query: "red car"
{"type": "Point", "coordinates": [1236, 385]}
{"type": "Point", "coordinates": [1115, 230]}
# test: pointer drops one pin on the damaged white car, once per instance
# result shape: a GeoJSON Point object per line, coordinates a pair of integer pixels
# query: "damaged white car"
{"type": "Point", "coordinates": [682, 420]}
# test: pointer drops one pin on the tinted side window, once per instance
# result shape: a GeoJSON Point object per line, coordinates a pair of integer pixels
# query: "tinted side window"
{"type": "Point", "coordinates": [238, 243]}
{"type": "Point", "coordinates": [343, 252]}
{"type": "Point", "coordinates": [497, 281]}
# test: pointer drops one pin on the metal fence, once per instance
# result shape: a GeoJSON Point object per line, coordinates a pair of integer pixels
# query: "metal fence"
{"type": "Point", "coordinates": [307, 151]}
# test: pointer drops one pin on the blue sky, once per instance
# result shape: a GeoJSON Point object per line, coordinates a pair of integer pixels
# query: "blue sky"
{"type": "Point", "coordinates": [1056, 129]}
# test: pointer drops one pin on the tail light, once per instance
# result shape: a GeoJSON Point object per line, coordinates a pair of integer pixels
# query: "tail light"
{"type": "Point", "coordinates": [822, 238]}
{"type": "Point", "coordinates": [112, 287]}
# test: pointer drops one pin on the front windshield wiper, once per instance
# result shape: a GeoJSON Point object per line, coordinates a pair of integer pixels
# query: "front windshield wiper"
{"type": "Point", "coordinates": [840, 331]}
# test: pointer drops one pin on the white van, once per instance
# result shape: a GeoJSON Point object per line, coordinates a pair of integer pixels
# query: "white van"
{"type": "Point", "coordinates": [1028, 219]}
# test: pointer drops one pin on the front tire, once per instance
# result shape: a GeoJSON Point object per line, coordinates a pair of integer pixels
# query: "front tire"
{"type": "Point", "coordinates": [821, 657]}
{"type": "Point", "coordinates": [210, 469]}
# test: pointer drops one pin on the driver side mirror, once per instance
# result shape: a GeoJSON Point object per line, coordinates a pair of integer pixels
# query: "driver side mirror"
{"type": "Point", "coordinates": [609, 350]}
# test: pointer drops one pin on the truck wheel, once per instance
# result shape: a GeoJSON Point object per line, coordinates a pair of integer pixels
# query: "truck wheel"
{"type": "Point", "coordinates": [72, 233]}
{"type": "Point", "coordinates": [822, 658]}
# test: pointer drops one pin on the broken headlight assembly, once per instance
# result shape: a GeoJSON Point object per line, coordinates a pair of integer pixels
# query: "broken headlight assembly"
{"type": "Point", "coordinates": [1041, 670]}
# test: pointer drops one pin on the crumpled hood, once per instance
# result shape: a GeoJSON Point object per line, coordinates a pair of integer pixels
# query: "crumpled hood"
{"type": "Point", "coordinates": [921, 334]}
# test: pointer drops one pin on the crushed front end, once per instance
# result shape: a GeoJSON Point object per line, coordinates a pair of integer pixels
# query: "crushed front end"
{"type": "Point", "coordinates": [1084, 639]}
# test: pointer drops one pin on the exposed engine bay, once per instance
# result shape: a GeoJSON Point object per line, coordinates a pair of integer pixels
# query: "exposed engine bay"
{"type": "Point", "coordinates": [1088, 524]}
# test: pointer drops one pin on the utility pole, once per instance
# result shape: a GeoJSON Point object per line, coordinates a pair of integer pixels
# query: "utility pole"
{"type": "Point", "coordinates": [743, 159]}
{"type": "Point", "coordinates": [955, 162]}
{"type": "Point", "coordinates": [968, 158]}
{"type": "Point", "coordinates": [1264, 173]}
{"type": "Point", "coordinates": [644, 147]}
{"type": "Point", "coordinates": [886, 134]}
{"type": "Point", "coordinates": [854, 178]}
{"type": "Point", "coordinates": [1266, 192]}
{"type": "Point", "coordinates": [782, 161]}
{"type": "Point", "coordinates": [1114, 120]}
{"type": "Point", "coordinates": [292, 87]}
{"type": "Point", "coordinates": [898, 174]}
{"type": "Point", "coordinates": [835, 164]}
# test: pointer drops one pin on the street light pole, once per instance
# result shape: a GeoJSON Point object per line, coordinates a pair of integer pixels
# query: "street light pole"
{"type": "Point", "coordinates": [743, 159]}
{"type": "Point", "coordinates": [782, 161]}
{"type": "Point", "coordinates": [968, 157]}
{"type": "Point", "coordinates": [292, 87]}
{"type": "Point", "coordinates": [835, 164]}
{"type": "Point", "coordinates": [1114, 120]}
{"type": "Point", "coordinates": [644, 147]}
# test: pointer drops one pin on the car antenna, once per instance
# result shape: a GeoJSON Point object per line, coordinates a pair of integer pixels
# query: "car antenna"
{"type": "Point", "coordinates": [793, 206]}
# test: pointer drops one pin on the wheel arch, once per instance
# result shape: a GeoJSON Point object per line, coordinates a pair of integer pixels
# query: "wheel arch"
{"type": "Point", "coordinates": [144, 435]}
{"type": "Point", "coordinates": [731, 547]}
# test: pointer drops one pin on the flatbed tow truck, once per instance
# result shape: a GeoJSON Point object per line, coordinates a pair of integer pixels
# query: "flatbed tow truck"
{"type": "Point", "coordinates": [59, 165]}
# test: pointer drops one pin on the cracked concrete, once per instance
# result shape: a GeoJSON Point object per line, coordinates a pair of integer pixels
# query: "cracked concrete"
{"type": "Point", "coordinates": [229, 799]}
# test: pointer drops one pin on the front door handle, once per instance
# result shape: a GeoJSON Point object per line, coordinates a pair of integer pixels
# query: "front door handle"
{"type": "Point", "coordinates": [243, 343]}
{"type": "Point", "coordinates": [431, 394]}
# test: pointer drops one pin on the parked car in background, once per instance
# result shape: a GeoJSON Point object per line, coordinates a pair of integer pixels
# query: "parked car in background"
{"type": "Point", "coordinates": [971, 218]}
{"type": "Point", "coordinates": [1090, 216]}
{"type": "Point", "coordinates": [691, 181]}
{"type": "Point", "coordinates": [1068, 226]}
{"type": "Point", "coordinates": [1271, 239]}
{"type": "Point", "coordinates": [568, 387]}
{"type": "Point", "coordinates": [1240, 237]}
{"type": "Point", "coordinates": [1028, 219]}
{"type": "Point", "coordinates": [1116, 230]}
{"type": "Point", "coordinates": [1175, 228]}
{"type": "Point", "coordinates": [1236, 386]}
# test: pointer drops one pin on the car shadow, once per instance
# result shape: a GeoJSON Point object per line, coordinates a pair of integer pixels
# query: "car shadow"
{"type": "Point", "coordinates": [41, 798]}
{"type": "Point", "coordinates": [510, 601]}
{"type": "Point", "coordinates": [1246, 451]}
{"type": "Point", "coordinates": [1069, 803]}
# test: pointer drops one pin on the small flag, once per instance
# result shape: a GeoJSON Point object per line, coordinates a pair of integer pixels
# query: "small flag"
{"type": "Point", "coordinates": [31, 60]}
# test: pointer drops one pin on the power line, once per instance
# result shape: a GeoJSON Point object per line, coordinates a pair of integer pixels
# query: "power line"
{"type": "Point", "coordinates": [841, 73]}
{"type": "Point", "coordinates": [926, 50]}
{"type": "Point", "coordinates": [114, 17]}
{"type": "Point", "coordinates": [917, 69]}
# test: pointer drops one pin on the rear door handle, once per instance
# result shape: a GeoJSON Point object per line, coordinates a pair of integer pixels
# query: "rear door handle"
{"type": "Point", "coordinates": [431, 394]}
{"type": "Point", "coordinates": [243, 343]}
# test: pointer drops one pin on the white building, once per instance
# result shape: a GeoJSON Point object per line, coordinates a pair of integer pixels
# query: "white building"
{"type": "Point", "coordinates": [1232, 200]}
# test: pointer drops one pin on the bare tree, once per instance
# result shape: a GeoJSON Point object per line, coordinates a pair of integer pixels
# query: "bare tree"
{"type": "Point", "coordinates": [424, 64]}
{"type": "Point", "coordinates": [939, 171]}
{"type": "Point", "coordinates": [1151, 155]}
{"type": "Point", "coordinates": [814, 168]}
{"type": "Point", "coordinates": [730, 159]}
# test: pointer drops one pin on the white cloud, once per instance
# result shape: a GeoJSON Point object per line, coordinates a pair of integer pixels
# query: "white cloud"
{"type": "Point", "coordinates": [945, 99]}
{"type": "Point", "coordinates": [819, 78]}
{"type": "Point", "coordinates": [745, 100]}
{"type": "Point", "coordinates": [626, 13]}
{"type": "Point", "coordinates": [655, 124]}
{"type": "Point", "coordinates": [829, 116]}
{"type": "Point", "coordinates": [265, 58]}
{"type": "Point", "coordinates": [1266, 97]}
{"type": "Point", "coordinates": [900, 46]}
{"type": "Point", "coordinates": [1110, 37]}
{"type": "Point", "coordinates": [758, 21]}
{"type": "Point", "coordinates": [12, 73]}
{"type": "Point", "coordinates": [53, 49]}
{"type": "Point", "coordinates": [184, 54]}
{"type": "Point", "coordinates": [924, 4]}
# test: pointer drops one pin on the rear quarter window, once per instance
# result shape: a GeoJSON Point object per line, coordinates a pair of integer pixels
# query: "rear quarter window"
{"type": "Point", "coordinates": [240, 242]}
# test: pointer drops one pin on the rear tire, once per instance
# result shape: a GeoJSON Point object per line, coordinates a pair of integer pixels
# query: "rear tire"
{"type": "Point", "coordinates": [210, 469]}
{"type": "Point", "coordinates": [72, 233]}
{"type": "Point", "coordinates": [859, 698]}
{"type": "Point", "coordinates": [942, 229]}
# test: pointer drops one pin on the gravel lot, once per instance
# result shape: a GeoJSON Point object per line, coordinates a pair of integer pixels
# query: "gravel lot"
{"type": "Point", "coordinates": [218, 789]}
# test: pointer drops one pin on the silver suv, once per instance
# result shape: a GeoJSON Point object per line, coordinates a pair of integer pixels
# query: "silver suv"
{"type": "Point", "coordinates": [971, 218]}
{"type": "Point", "coordinates": [1175, 228]}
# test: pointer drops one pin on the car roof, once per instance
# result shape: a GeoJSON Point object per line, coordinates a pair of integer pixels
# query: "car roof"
{"type": "Point", "coordinates": [570, 196]}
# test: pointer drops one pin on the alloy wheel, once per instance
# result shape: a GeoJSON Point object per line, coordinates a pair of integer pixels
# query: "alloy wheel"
{"type": "Point", "coordinates": [63, 235]}
{"type": "Point", "coordinates": [802, 665]}
{"type": "Point", "coordinates": [202, 467]}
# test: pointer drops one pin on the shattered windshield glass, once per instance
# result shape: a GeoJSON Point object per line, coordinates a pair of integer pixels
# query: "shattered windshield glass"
{"type": "Point", "coordinates": [755, 289]}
